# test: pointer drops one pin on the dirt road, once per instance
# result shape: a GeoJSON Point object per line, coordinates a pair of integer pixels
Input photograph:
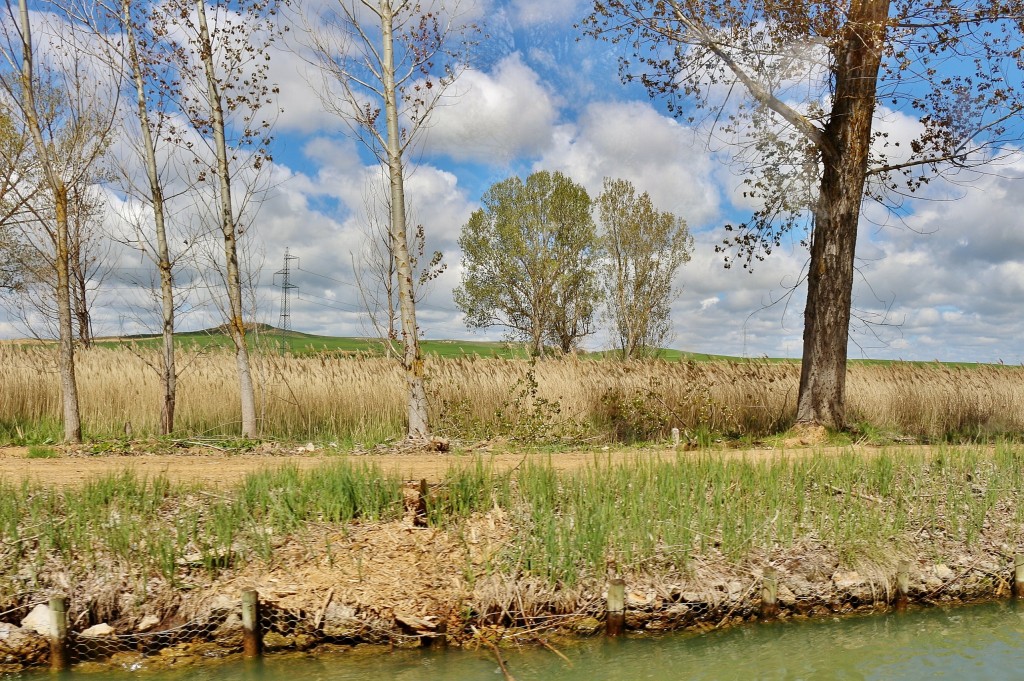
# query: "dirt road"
{"type": "Point", "coordinates": [221, 469]}
{"type": "Point", "coordinates": [216, 468]}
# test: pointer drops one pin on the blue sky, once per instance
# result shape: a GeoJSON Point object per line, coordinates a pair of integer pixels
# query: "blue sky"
{"type": "Point", "coordinates": [947, 283]}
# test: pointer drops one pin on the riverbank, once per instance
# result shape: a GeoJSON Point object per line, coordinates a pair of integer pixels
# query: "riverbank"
{"type": "Point", "coordinates": [349, 552]}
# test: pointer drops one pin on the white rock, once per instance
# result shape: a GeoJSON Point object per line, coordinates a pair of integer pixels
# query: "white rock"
{"type": "Point", "coordinates": [847, 580]}
{"type": "Point", "coordinates": [639, 600]}
{"type": "Point", "coordinates": [944, 573]}
{"type": "Point", "coordinates": [223, 602]}
{"type": "Point", "coordinates": [97, 630]}
{"type": "Point", "coordinates": [39, 621]}
{"type": "Point", "coordinates": [147, 623]}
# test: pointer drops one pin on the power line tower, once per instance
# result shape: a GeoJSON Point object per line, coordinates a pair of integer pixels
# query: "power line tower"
{"type": "Point", "coordinates": [285, 322]}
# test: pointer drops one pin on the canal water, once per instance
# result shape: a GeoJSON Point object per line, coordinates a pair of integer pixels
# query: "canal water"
{"type": "Point", "coordinates": [966, 643]}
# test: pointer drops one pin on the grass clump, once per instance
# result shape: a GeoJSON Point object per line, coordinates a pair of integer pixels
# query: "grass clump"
{"type": "Point", "coordinates": [41, 452]}
{"type": "Point", "coordinates": [151, 526]}
{"type": "Point", "coordinates": [652, 515]}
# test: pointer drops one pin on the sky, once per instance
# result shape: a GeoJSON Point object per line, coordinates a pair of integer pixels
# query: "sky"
{"type": "Point", "coordinates": [944, 282]}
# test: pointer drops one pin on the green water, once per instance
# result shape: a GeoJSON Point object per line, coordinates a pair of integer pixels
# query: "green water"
{"type": "Point", "coordinates": [969, 643]}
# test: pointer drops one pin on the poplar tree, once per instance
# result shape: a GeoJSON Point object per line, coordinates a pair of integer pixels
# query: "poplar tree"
{"type": "Point", "coordinates": [643, 249]}
{"type": "Point", "coordinates": [386, 65]}
{"type": "Point", "coordinates": [800, 87]}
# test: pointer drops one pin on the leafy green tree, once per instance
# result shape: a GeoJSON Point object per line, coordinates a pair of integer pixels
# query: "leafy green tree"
{"type": "Point", "coordinates": [529, 261]}
{"type": "Point", "coordinates": [14, 164]}
{"type": "Point", "coordinates": [644, 249]}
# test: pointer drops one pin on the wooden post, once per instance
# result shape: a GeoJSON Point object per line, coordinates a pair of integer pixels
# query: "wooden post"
{"type": "Point", "coordinates": [902, 585]}
{"type": "Point", "coordinates": [769, 594]}
{"type": "Point", "coordinates": [1018, 575]}
{"type": "Point", "coordinates": [59, 633]}
{"type": "Point", "coordinates": [420, 517]}
{"type": "Point", "coordinates": [615, 621]}
{"type": "Point", "coordinates": [675, 437]}
{"type": "Point", "coordinates": [252, 637]}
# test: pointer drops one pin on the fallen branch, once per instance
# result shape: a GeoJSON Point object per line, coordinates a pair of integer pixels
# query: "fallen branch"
{"type": "Point", "coordinates": [554, 650]}
{"type": "Point", "coordinates": [323, 609]}
{"type": "Point", "coordinates": [501, 663]}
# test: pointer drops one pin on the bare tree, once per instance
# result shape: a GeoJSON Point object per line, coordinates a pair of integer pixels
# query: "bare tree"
{"type": "Point", "coordinates": [376, 271]}
{"type": "Point", "coordinates": [815, 78]}
{"type": "Point", "coordinates": [643, 249]}
{"type": "Point", "coordinates": [33, 300]}
{"type": "Point", "coordinates": [229, 103]}
{"type": "Point", "coordinates": [66, 116]}
{"type": "Point", "coordinates": [134, 36]}
{"type": "Point", "coordinates": [397, 57]}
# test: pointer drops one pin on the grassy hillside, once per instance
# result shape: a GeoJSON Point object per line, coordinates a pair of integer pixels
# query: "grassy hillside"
{"type": "Point", "coordinates": [271, 339]}
{"type": "Point", "coordinates": [267, 338]}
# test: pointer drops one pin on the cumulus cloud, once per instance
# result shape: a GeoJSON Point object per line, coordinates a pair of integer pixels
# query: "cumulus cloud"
{"type": "Point", "coordinates": [495, 117]}
{"type": "Point", "coordinates": [631, 140]}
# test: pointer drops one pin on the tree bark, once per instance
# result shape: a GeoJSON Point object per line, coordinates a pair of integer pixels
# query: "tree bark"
{"type": "Point", "coordinates": [168, 371]}
{"type": "Point", "coordinates": [62, 250]}
{"type": "Point", "coordinates": [68, 379]}
{"type": "Point", "coordinates": [412, 362]}
{"type": "Point", "coordinates": [78, 282]}
{"type": "Point", "coordinates": [845, 154]}
{"type": "Point", "coordinates": [232, 277]}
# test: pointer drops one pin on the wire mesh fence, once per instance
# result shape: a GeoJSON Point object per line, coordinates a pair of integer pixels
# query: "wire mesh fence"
{"type": "Point", "coordinates": [765, 594]}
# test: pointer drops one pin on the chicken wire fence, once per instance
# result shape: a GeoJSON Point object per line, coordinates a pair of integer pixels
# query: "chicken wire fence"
{"type": "Point", "coordinates": [281, 629]}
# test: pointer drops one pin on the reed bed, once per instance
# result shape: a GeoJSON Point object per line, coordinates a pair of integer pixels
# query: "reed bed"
{"type": "Point", "coordinates": [361, 400]}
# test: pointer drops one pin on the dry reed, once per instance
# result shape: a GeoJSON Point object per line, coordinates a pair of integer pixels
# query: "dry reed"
{"type": "Point", "coordinates": [361, 399]}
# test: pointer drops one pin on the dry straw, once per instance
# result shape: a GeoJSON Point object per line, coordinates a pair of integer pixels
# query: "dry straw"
{"type": "Point", "coordinates": [361, 399]}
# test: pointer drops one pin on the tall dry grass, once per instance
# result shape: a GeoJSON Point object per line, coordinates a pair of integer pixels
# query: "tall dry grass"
{"type": "Point", "coordinates": [361, 399]}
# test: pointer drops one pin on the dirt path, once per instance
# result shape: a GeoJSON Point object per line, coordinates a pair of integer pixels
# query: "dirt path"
{"type": "Point", "coordinates": [213, 468]}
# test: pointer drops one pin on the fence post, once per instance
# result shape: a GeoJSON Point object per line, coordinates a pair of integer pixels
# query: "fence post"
{"type": "Point", "coordinates": [769, 594]}
{"type": "Point", "coordinates": [252, 637]}
{"type": "Point", "coordinates": [902, 584]}
{"type": "Point", "coordinates": [59, 633]}
{"type": "Point", "coordinates": [1018, 575]}
{"type": "Point", "coordinates": [615, 620]}
{"type": "Point", "coordinates": [675, 437]}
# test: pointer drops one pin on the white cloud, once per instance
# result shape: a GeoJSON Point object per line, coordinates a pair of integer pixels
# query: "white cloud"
{"type": "Point", "coordinates": [631, 140]}
{"type": "Point", "coordinates": [494, 117]}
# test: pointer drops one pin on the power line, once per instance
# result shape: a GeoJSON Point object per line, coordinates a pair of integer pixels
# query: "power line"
{"type": "Point", "coordinates": [330, 307]}
{"type": "Point", "coordinates": [324, 276]}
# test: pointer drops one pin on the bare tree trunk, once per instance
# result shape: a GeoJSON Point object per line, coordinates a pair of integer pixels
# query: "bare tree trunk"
{"type": "Point", "coordinates": [413, 360]}
{"type": "Point", "coordinates": [830, 281]}
{"type": "Point", "coordinates": [78, 283]}
{"type": "Point", "coordinates": [168, 372]}
{"type": "Point", "coordinates": [68, 380]}
{"type": "Point", "coordinates": [58, 189]}
{"type": "Point", "coordinates": [537, 335]}
{"type": "Point", "coordinates": [233, 281]}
